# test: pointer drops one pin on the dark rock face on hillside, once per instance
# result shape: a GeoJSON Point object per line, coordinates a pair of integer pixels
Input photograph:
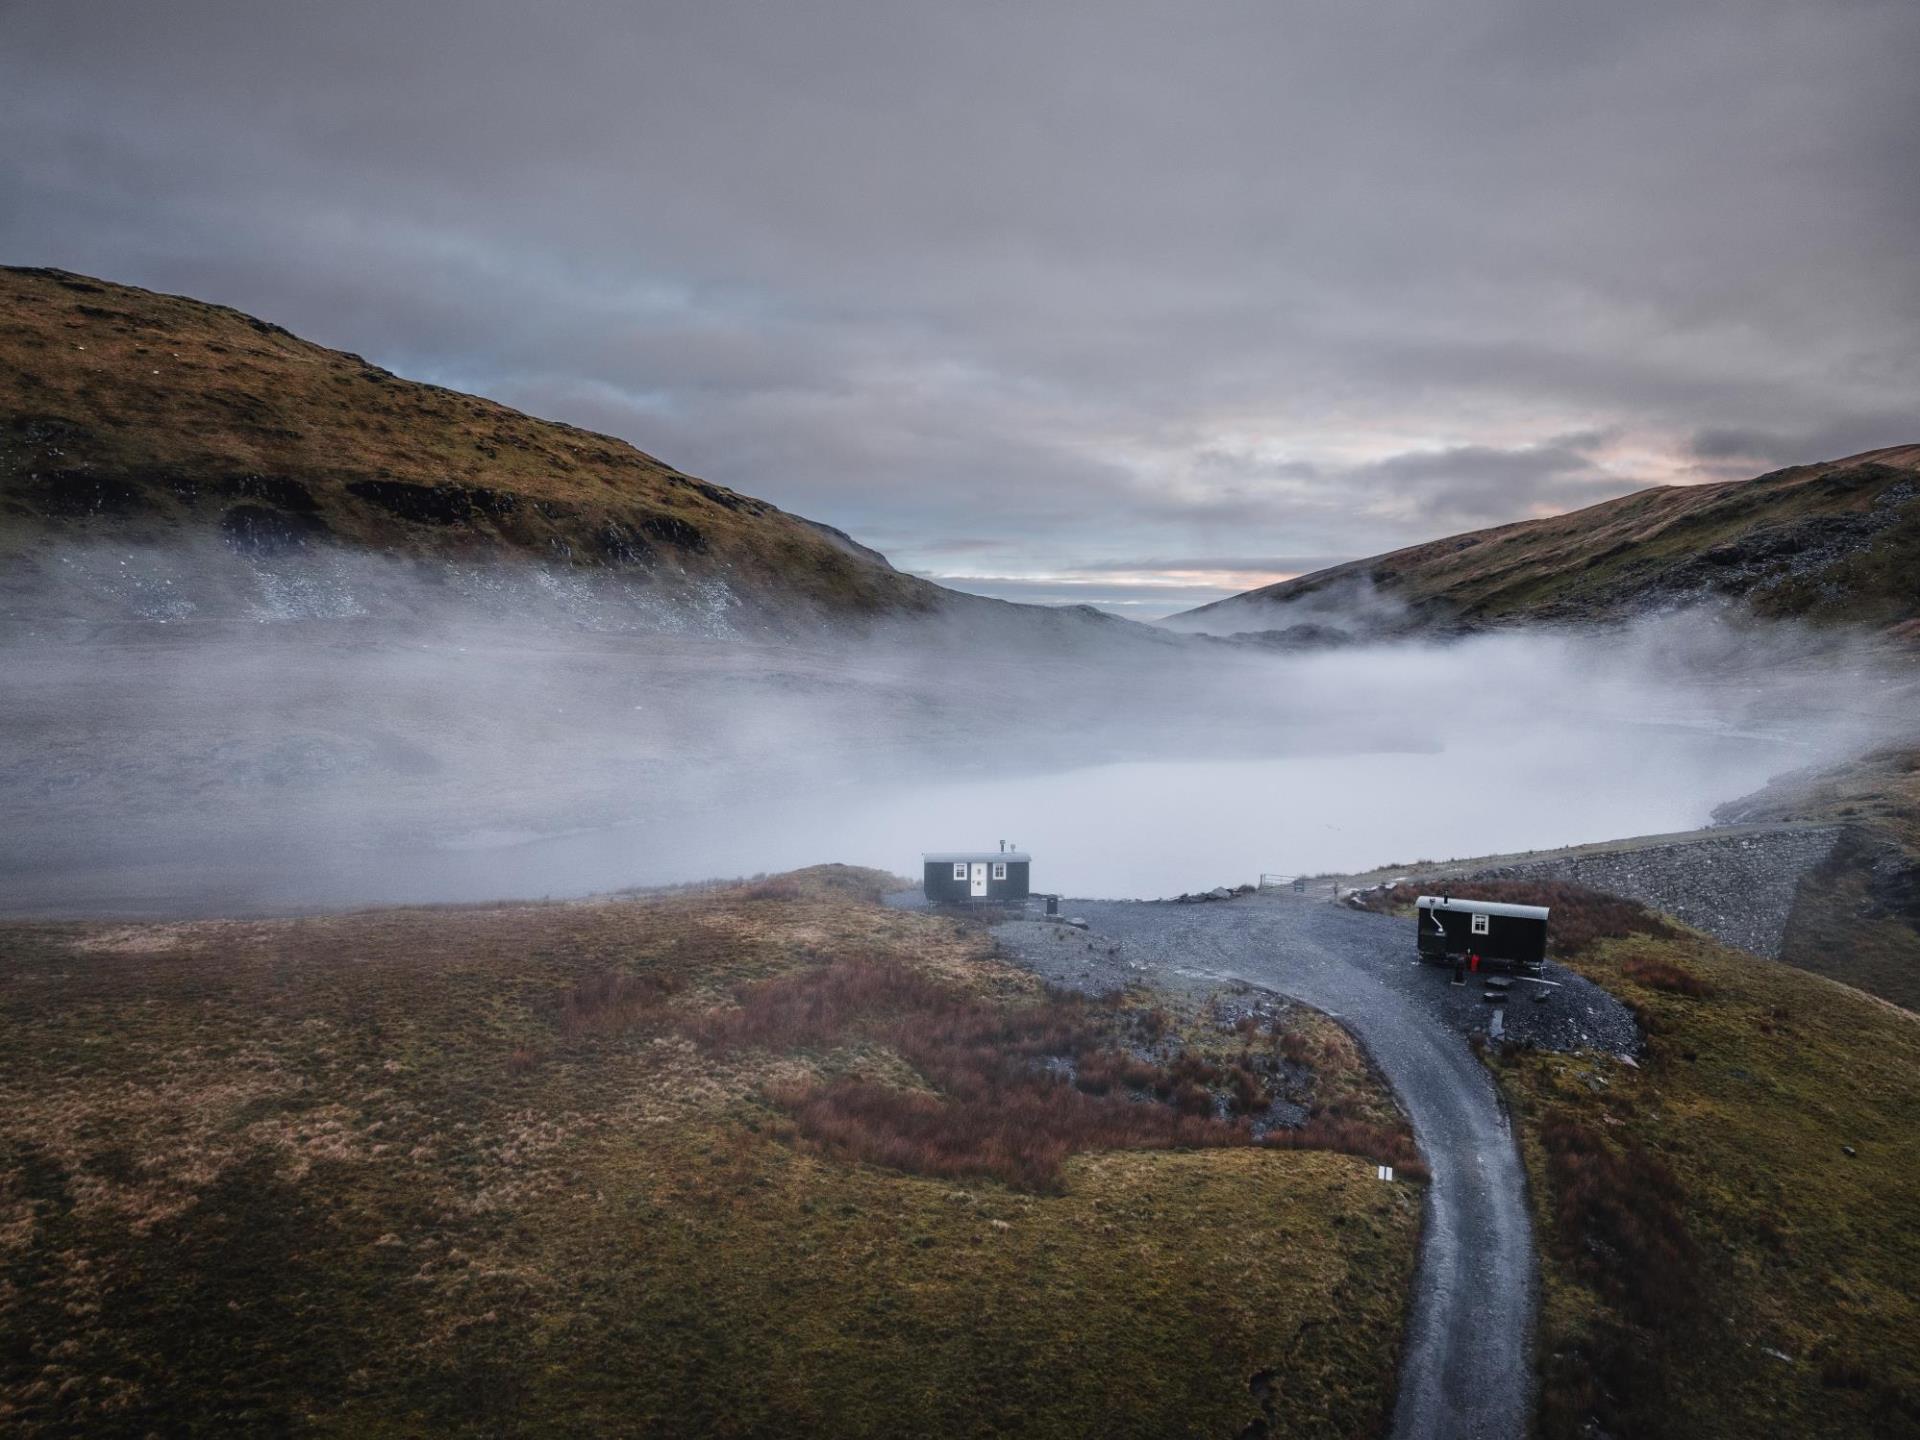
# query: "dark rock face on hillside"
{"type": "Point", "coordinates": [1888, 875]}
{"type": "Point", "coordinates": [1838, 541]}
{"type": "Point", "coordinates": [262, 530]}
{"type": "Point", "coordinates": [1739, 889]}
{"type": "Point", "coordinates": [1788, 567]}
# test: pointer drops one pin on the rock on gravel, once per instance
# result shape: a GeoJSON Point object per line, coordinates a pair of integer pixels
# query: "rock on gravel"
{"type": "Point", "coordinates": [1073, 959]}
{"type": "Point", "coordinates": [1575, 1015]}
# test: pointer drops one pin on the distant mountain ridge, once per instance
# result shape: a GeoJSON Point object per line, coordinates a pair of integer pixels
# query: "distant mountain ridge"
{"type": "Point", "coordinates": [1839, 540]}
{"type": "Point", "coordinates": [131, 415]}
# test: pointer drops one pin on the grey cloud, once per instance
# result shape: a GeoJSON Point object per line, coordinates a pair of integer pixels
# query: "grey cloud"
{"type": "Point", "coordinates": [1143, 587]}
{"type": "Point", "coordinates": [921, 270]}
{"type": "Point", "coordinates": [1472, 485]}
{"type": "Point", "coordinates": [1297, 564]}
{"type": "Point", "coordinates": [1415, 494]}
{"type": "Point", "coordinates": [1741, 450]}
{"type": "Point", "coordinates": [1136, 602]}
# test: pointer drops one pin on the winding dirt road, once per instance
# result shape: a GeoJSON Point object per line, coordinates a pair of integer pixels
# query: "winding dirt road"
{"type": "Point", "coordinates": [1466, 1367]}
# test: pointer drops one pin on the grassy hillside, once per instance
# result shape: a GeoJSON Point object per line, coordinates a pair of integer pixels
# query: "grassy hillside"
{"type": "Point", "coordinates": [769, 1160]}
{"type": "Point", "coordinates": [1730, 1232]}
{"type": "Point", "coordinates": [132, 414]}
{"type": "Point", "coordinates": [1729, 1224]}
{"type": "Point", "coordinates": [1836, 541]}
{"type": "Point", "coordinates": [1857, 917]}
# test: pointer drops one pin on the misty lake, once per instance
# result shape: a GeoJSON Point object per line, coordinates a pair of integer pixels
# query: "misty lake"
{"type": "Point", "coordinates": [235, 772]}
{"type": "Point", "coordinates": [1143, 829]}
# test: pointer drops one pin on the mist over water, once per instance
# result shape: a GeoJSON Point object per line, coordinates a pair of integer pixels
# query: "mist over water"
{"type": "Point", "coordinates": [392, 736]}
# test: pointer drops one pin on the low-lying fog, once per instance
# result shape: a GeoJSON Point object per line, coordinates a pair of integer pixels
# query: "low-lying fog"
{"type": "Point", "coordinates": [473, 738]}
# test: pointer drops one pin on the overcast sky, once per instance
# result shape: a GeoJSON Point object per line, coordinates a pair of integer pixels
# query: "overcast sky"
{"type": "Point", "coordinates": [1131, 303]}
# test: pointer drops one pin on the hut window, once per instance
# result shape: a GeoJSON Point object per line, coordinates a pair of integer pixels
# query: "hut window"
{"type": "Point", "coordinates": [999, 870]}
{"type": "Point", "coordinates": [959, 869]}
{"type": "Point", "coordinates": [1479, 924]}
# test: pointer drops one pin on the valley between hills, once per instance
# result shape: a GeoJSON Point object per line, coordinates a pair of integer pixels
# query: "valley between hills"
{"type": "Point", "coordinates": [553, 1147]}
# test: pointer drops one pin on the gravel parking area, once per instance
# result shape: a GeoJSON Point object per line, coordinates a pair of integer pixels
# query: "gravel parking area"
{"type": "Point", "coordinates": [1565, 1012]}
{"type": "Point", "coordinates": [1079, 960]}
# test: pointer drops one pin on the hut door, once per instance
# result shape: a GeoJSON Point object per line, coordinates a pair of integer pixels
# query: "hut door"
{"type": "Point", "coordinates": [979, 877]}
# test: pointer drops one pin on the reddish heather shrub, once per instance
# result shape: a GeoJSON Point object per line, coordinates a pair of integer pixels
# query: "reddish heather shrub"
{"type": "Point", "coordinates": [1191, 1069]}
{"type": "Point", "coordinates": [1665, 975]}
{"type": "Point", "coordinates": [780, 887]}
{"type": "Point", "coordinates": [1095, 1074]}
{"type": "Point", "coordinates": [1021, 1134]}
{"type": "Point", "coordinates": [1353, 1137]}
{"type": "Point", "coordinates": [818, 1006]}
{"type": "Point", "coordinates": [1619, 1219]}
{"type": "Point", "coordinates": [1099, 1071]}
{"type": "Point", "coordinates": [610, 1002]}
{"type": "Point", "coordinates": [1000, 1110]}
{"type": "Point", "coordinates": [1249, 1095]}
{"type": "Point", "coordinates": [1191, 1099]}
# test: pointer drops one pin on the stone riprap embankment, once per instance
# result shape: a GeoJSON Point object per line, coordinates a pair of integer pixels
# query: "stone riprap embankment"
{"type": "Point", "coordinates": [1737, 888]}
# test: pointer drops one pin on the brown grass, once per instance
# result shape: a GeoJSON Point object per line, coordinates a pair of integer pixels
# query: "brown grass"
{"type": "Point", "coordinates": [351, 1175]}
{"type": "Point", "coordinates": [1381, 1143]}
{"type": "Point", "coordinates": [1001, 1104]}
{"type": "Point", "coordinates": [775, 888]}
{"type": "Point", "coordinates": [1618, 1228]}
{"type": "Point", "coordinates": [1020, 1132]}
{"type": "Point", "coordinates": [820, 1006]}
{"type": "Point", "coordinates": [1658, 974]}
{"type": "Point", "coordinates": [1100, 1071]}
{"type": "Point", "coordinates": [1620, 1219]}
{"type": "Point", "coordinates": [607, 1003]}
{"type": "Point", "coordinates": [1727, 1228]}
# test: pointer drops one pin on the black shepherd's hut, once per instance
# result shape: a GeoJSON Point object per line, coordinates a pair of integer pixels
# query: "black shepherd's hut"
{"type": "Point", "coordinates": [1449, 929]}
{"type": "Point", "coordinates": [960, 875]}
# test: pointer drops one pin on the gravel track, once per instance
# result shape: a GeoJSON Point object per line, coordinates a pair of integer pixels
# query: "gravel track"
{"type": "Point", "coordinates": [1466, 1367]}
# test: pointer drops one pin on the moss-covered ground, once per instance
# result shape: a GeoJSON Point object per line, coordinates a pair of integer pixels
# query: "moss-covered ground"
{"type": "Point", "coordinates": [540, 1170]}
{"type": "Point", "coordinates": [1730, 1231]}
